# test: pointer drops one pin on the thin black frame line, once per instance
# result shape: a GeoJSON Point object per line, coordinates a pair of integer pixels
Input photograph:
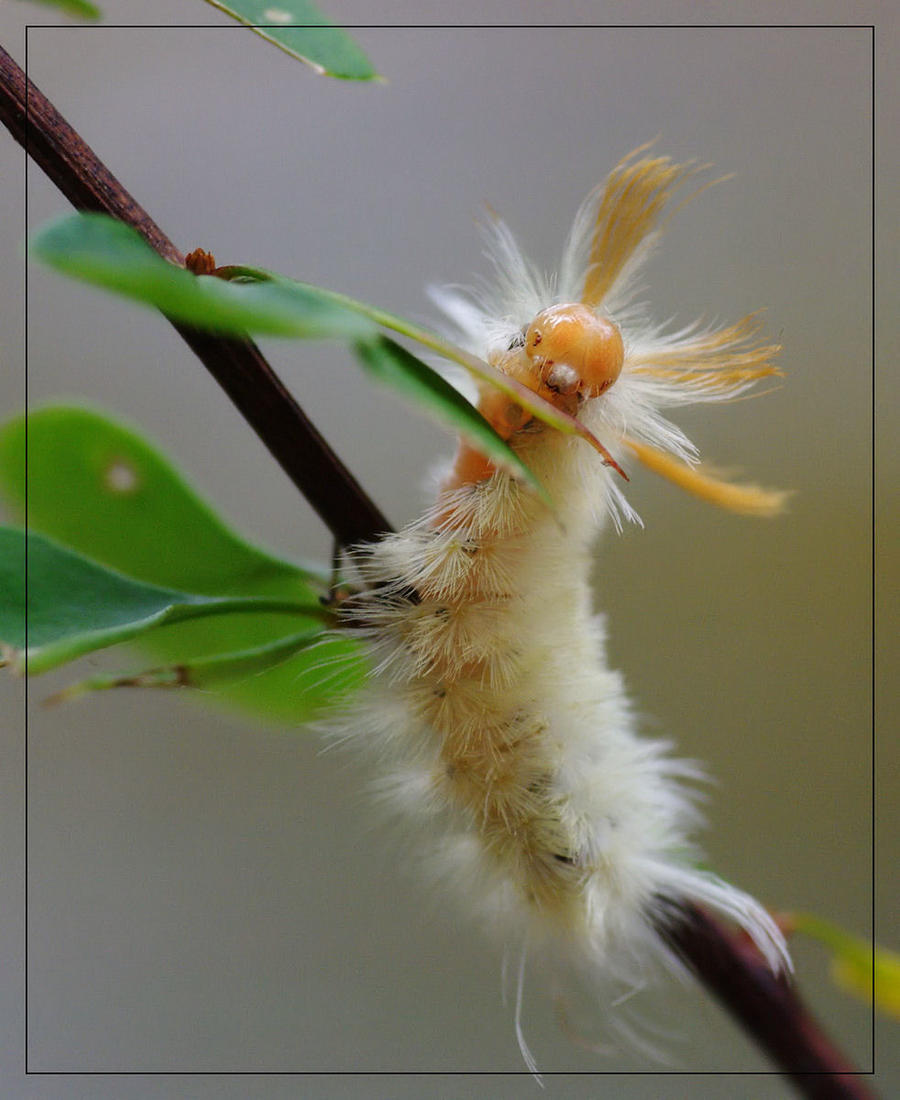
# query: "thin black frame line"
{"type": "Point", "coordinates": [236, 25]}
{"type": "Point", "coordinates": [25, 815]}
{"type": "Point", "coordinates": [442, 1073]}
{"type": "Point", "coordinates": [874, 737]}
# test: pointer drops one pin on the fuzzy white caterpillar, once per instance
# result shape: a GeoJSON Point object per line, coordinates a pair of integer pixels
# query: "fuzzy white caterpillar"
{"type": "Point", "coordinates": [491, 709]}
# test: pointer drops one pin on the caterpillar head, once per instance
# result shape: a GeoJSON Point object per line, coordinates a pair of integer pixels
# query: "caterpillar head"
{"type": "Point", "coordinates": [573, 350]}
{"type": "Point", "coordinates": [567, 353]}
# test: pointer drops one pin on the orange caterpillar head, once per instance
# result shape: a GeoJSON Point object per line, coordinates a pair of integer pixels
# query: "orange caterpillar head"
{"type": "Point", "coordinates": [567, 353]}
{"type": "Point", "coordinates": [574, 350]}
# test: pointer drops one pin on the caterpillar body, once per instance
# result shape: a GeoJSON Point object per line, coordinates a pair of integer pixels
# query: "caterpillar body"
{"type": "Point", "coordinates": [491, 709]}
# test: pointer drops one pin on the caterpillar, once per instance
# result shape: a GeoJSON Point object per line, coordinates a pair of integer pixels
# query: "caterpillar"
{"type": "Point", "coordinates": [496, 724]}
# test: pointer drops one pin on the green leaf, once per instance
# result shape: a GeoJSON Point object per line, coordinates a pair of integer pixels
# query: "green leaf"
{"type": "Point", "coordinates": [202, 673]}
{"type": "Point", "coordinates": [80, 9]}
{"type": "Point", "coordinates": [240, 300]}
{"type": "Point", "coordinates": [100, 250]}
{"type": "Point", "coordinates": [857, 965]}
{"type": "Point", "coordinates": [394, 366]}
{"type": "Point", "coordinates": [97, 486]}
{"type": "Point", "coordinates": [106, 252]}
{"type": "Point", "coordinates": [75, 606]}
{"type": "Point", "coordinates": [478, 368]}
{"type": "Point", "coordinates": [100, 488]}
{"type": "Point", "coordinates": [311, 38]}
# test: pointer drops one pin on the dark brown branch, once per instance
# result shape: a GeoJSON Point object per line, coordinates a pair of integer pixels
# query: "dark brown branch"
{"type": "Point", "coordinates": [767, 1008]}
{"type": "Point", "coordinates": [237, 365]}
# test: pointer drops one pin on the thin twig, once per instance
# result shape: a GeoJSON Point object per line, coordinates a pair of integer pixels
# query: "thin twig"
{"type": "Point", "coordinates": [767, 1007]}
{"type": "Point", "coordinates": [764, 1006]}
{"type": "Point", "coordinates": [237, 365]}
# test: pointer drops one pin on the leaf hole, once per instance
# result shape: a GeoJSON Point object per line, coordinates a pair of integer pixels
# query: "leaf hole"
{"type": "Point", "coordinates": [120, 477]}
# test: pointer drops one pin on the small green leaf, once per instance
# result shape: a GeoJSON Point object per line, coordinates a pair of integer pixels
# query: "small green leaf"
{"type": "Point", "coordinates": [241, 300]}
{"type": "Point", "coordinates": [857, 965]}
{"type": "Point", "coordinates": [478, 368]}
{"type": "Point", "coordinates": [100, 488]}
{"type": "Point", "coordinates": [80, 9]}
{"type": "Point", "coordinates": [75, 606]}
{"type": "Point", "coordinates": [394, 366]}
{"type": "Point", "coordinates": [100, 250]}
{"type": "Point", "coordinates": [301, 30]}
{"type": "Point", "coordinates": [111, 254]}
{"type": "Point", "coordinates": [202, 673]}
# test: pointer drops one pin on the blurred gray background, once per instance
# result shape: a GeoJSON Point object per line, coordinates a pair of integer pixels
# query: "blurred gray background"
{"type": "Point", "coordinates": [210, 896]}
